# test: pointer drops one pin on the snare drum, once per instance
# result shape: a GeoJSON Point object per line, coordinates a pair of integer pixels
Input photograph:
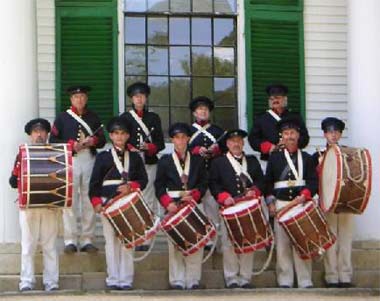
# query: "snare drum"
{"type": "Point", "coordinates": [247, 227]}
{"type": "Point", "coordinates": [133, 221]}
{"type": "Point", "coordinates": [46, 176]}
{"type": "Point", "coordinates": [188, 229]}
{"type": "Point", "coordinates": [307, 229]}
{"type": "Point", "coordinates": [345, 183]}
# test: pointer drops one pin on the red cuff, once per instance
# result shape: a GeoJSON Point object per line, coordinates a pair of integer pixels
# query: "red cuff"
{"type": "Point", "coordinates": [256, 190]}
{"type": "Point", "coordinates": [152, 149]}
{"type": "Point", "coordinates": [306, 192]}
{"type": "Point", "coordinates": [196, 194]}
{"type": "Point", "coordinates": [71, 142]}
{"type": "Point", "coordinates": [265, 147]}
{"type": "Point", "coordinates": [96, 201]}
{"type": "Point", "coordinates": [95, 140]}
{"type": "Point", "coordinates": [134, 185]}
{"type": "Point", "coordinates": [165, 200]}
{"type": "Point", "coordinates": [222, 197]}
{"type": "Point", "coordinates": [216, 151]}
{"type": "Point", "coordinates": [54, 130]}
{"type": "Point", "coordinates": [195, 150]}
{"type": "Point", "coordinates": [16, 169]}
{"type": "Point", "coordinates": [130, 146]}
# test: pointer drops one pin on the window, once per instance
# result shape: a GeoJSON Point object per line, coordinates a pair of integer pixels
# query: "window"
{"type": "Point", "coordinates": [183, 49]}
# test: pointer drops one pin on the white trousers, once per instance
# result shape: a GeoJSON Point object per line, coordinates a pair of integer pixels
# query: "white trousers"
{"type": "Point", "coordinates": [211, 208]}
{"type": "Point", "coordinates": [185, 271]}
{"type": "Point", "coordinates": [82, 169]}
{"type": "Point", "coordinates": [120, 266]}
{"type": "Point", "coordinates": [237, 267]}
{"type": "Point", "coordinates": [337, 260]}
{"type": "Point", "coordinates": [39, 225]}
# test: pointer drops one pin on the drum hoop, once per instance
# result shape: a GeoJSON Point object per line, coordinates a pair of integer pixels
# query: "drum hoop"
{"type": "Point", "coordinates": [295, 218]}
{"type": "Point", "coordinates": [129, 204]}
{"type": "Point", "coordinates": [196, 247]}
{"type": "Point", "coordinates": [166, 226]}
{"type": "Point", "coordinates": [311, 255]}
{"type": "Point", "coordinates": [243, 212]}
{"type": "Point", "coordinates": [254, 247]}
{"type": "Point", "coordinates": [148, 235]}
{"type": "Point", "coordinates": [69, 175]}
{"type": "Point", "coordinates": [367, 194]}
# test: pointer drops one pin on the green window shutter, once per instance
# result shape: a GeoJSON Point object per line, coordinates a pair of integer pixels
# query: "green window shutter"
{"type": "Point", "coordinates": [86, 52]}
{"type": "Point", "coordinates": [275, 54]}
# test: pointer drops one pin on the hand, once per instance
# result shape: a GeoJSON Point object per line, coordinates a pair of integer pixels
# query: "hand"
{"type": "Point", "coordinates": [272, 148]}
{"type": "Point", "coordinates": [187, 199]}
{"type": "Point", "coordinates": [78, 147]}
{"type": "Point", "coordinates": [124, 189]}
{"type": "Point", "coordinates": [98, 208]}
{"type": "Point", "coordinates": [301, 199]}
{"type": "Point", "coordinates": [143, 147]}
{"type": "Point", "coordinates": [133, 149]}
{"type": "Point", "coordinates": [88, 141]}
{"type": "Point", "coordinates": [251, 193]}
{"type": "Point", "coordinates": [229, 201]}
{"type": "Point", "coordinates": [203, 151]}
{"type": "Point", "coordinates": [172, 208]}
{"type": "Point", "coordinates": [272, 209]}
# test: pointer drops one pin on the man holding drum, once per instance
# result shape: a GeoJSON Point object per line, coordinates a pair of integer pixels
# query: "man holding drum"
{"type": "Point", "coordinates": [181, 179]}
{"type": "Point", "coordinates": [290, 175]}
{"type": "Point", "coordinates": [38, 225]}
{"type": "Point", "coordinates": [81, 128]}
{"type": "Point", "coordinates": [235, 175]}
{"type": "Point", "coordinates": [337, 261]}
{"type": "Point", "coordinates": [116, 171]}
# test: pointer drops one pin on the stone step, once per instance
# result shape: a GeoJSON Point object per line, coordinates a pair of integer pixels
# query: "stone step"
{"type": "Point", "coordinates": [158, 280]}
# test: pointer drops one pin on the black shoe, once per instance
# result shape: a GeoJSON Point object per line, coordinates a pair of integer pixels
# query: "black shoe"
{"type": "Point", "coordinates": [332, 284]}
{"type": "Point", "coordinates": [126, 287]}
{"type": "Point", "coordinates": [176, 287]}
{"type": "Point", "coordinates": [89, 248]}
{"type": "Point", "coordinates": [346, 285]}
{"type": "Point", "coordinates": [207, 247]}
{"type": "Point", "coordinates": [142, 248]}
{"type": "Point", "coordinates": [70, 249]}
{"type": "Point", "coordinates": [284, 286]}
{"type": "Point", "coordinates": [112, 287]}
{"type": "Point", "coordinates": [25, 289]}
{"type": "Point", "coordinates": [248, 286]}
{"type": "Point", "coordinates": [308, 286]}
{"type": "Point", "coordinates": [233, 285]}
{"type": "Point", "coordinates": [195, 287]}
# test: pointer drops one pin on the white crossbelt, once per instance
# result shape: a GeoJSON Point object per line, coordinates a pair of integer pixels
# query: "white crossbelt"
{"type": "Point", "coordinates": [81, 121]}
{"type": "Point", "coordinates": [174, 194]}
{"type": "Point", "coordinates": [289, 183]}
{"type": "Point", "coordinates": [112, 182]}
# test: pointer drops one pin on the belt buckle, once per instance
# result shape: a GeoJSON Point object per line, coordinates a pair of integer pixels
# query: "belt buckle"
{"type": "Point", "coordinates": [291, 183]}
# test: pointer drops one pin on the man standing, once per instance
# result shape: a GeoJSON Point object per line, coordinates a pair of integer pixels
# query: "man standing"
{"type": "Point", "coordinates": [235, 175]}
{"type": "Point", "coordinates": [337, 260]}
{"type": "Point", "coordinates": [181, 178]}
{"type": "Point", "coordinates": [81, 128]}
{"type": "Point", "coordinates": [290, 175]}
{"type": "Point", "coordinates": [265, 136]}
{"type": "Point", "coordinates": [146, 138]}
{"type": "Point", "coordinates": [38, 225]}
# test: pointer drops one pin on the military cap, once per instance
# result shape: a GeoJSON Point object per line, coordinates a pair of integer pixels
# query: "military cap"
{"type": "Point", "coordinates": [138, 87]}
{"type": "Point", "coordinates": [118, 123]}
{"type": "Point", "coordinates": [289, 123]}
{"type": "Point", "coordinates": [201, 100]}
{"type": "Point", "coordinates": [235, 133]}
{"type": "Point", "coordinates": [37, 123]}
{"type": "Point", "coordinates": [332, 124]}
{"type": "Point", "coordinates": [179, 127]}
{"type": "Point", "coordinates": [78, 89]}
{"type": "Point", "coordinates": [276, 89]}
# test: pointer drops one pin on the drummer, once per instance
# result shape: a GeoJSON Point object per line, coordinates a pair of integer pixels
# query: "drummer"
{"type": "Point", "coordinates": [38, 225]}
{"type": "Point", "coordinates": [290, 175]}
{"type": "Point", "coordinates": [181, 178]}
{"type": "Point", "coordinates": [337, 260]}
{"type": "Point", "coordinates": [232, 175]}
{"type": "Point", "coordinates": [116, 171]}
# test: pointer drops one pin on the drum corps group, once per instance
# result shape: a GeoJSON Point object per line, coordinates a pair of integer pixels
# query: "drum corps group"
{"type": "Point", "coordinates": [207, 194]}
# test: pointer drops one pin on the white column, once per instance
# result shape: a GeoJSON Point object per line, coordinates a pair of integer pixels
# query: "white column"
{"type": "Point", "coordinates": [18, 86]}
{"type": "Point", "coordinates": [364, 100]}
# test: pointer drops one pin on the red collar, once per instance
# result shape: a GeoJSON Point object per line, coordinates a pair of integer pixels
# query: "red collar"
{"type": "Point", "coordinates": [202, 122]}
{"type": "Point", "coordinates": [74, 109]}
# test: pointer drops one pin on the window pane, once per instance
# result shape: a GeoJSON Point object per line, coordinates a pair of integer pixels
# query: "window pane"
{"type": "Point", "coordinates": [157, 60]}
{"type": "Point", "coordinates": [159, 90]}
{"type": "Point", "coordinates": [135, 5]}
{"type": "Point", "coordinates": [202, 87]}
{"type": "Point", "coordinates": [163, 112]}
{"type": "Point", "coordinates": [158, 31]}
{"type": "Point", "coordinates": [179, 31]}
{"type": "Point", "coordinates": [224, 61]}
{"type": "Point", "coordinates": [158, 5]}
{"type": "Point", "coordinates": [225, 6]}
{"type": "Point", "coordinates": [180, 115]}
{"type": "Point", "coordinates": [179, 60]}
{"type": "Point", "coordinates": [202, 6]}
{"type": "Point", "coordinates": [135, 60]}
{"type": "Point", "coordinates": [224, 32]}
{"type": "Point", "coordinates": [224, 91]}
{"type": "Point", "coordinates": [201, 61]}
{"type": "Point", "coordinates": [180, 5]}
{"type": "Point", "coordinates": [201, 31]}
{"type": "Point", "coordinates": [135, 30]}
{"type": "Point", "coordinates": [180, 91]}
{"type": "Point", "coordinates": [225, 117]}
{"type": "Point", "coordinates": [129, 80]}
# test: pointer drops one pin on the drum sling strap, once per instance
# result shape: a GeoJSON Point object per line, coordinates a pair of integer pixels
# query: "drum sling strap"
{"type": "Point", "coordinates": [80, 121]}
{"type": "Point", "coordinates": [202, 130]}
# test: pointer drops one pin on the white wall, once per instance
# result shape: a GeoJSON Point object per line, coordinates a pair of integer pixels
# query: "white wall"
{"type": "Point", "coordinates": [18, 86]}
{"type": "Point", "coordinates": [364, 100]}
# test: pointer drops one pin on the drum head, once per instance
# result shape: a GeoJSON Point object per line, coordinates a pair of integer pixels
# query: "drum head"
{"type": "Point", "coordinates": [121, 202]}
{"type": "Point", "coordinates": [331, 170]}
{"type": "Point", "coordinates": [180, 213]}
{"type": "Point", "coordinates": [239, 207]}
{"type": "Point", "coordinates": [294, 211]}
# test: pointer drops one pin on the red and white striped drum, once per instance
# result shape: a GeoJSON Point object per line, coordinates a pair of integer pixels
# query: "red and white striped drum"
{"type": "Point", "coordinates": [46, 176]}
{"type": "Point", "coordinates": [246, 225]}
{"type": "Point", "coordinates": [345, 180]}
{"type": "Point", "coordinates": [307, 228]}
{"type": "Point", "coordinates": [188, 229]}
{"type": "Point", "coordinates": [133, 221]}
